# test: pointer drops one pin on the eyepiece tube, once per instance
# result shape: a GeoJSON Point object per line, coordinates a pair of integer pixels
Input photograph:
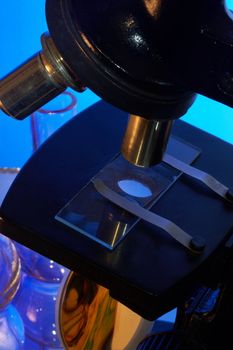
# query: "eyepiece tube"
{"type": "Point", "coordinates": [36, 82]}
{"type": "Point", "coordinates": [28, 88]}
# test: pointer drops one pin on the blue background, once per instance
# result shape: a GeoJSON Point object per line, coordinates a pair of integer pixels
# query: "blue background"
{"type": "Point", "coordinates": [22, 23]}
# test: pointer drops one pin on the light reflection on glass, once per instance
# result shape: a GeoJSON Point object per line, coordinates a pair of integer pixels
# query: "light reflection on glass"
{"type": "Point", "coordinates": [134, 188]}
{"type": "Point", "coordinates": [38, 312]}
{"type": "Point", "coordinates": [153, 7]}
{"type": "Point", "coordinates": [11, 325]}
{"type": "Point", "coordinates": [36, 299]}
{"type": "Point", "coordinates": [11, 330]}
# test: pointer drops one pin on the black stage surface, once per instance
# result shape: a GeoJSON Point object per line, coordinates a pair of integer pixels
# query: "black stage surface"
{"type": "Point", "coordinates": [149, 271]}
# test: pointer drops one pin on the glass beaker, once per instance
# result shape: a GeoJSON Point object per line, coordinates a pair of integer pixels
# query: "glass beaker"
{"type": "Point", "coordinates": [36, 299]}
{"type": "Point", "coordinates": [52, 116]}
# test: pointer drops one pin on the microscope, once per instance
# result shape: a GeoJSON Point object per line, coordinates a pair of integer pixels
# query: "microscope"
{"type": "Point", "coordinates": [147, 59]}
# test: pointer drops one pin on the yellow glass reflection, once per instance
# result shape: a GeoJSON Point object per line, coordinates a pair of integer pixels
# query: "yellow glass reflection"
{"type": "Point", "coordinates": [87, 314]}
{"type": "Point", "coordinates": [153, 7]}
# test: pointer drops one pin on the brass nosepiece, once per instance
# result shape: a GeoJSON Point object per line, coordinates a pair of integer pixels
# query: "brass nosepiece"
{"type": "Point", "coordinates": [145, 140]}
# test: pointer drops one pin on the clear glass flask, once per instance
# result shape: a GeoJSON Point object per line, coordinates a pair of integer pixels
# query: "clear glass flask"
{"type": "Point", "coordinates": [11, 325]}
{"type": "Point", "coordinates": [52, 116]}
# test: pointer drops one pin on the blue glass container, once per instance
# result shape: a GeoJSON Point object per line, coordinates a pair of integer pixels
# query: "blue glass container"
{"type": "Point", "coordinates": [11, 325]}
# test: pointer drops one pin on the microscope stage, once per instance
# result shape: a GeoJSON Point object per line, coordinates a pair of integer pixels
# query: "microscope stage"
{"type": "Point", "coordinates": [148, 271]}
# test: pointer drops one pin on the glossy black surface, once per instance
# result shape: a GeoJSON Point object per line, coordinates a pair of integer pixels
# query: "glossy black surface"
{"type": "Point", "coordinates": [108, 45]}
{"type": "Point", "coordinates": [144, 56]}
{"type": "Point", "coordinates": [149, 271]}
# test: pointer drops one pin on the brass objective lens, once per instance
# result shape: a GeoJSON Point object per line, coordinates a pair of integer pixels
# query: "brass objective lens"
{"type": "Point", "coordinates": [145, 140]}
